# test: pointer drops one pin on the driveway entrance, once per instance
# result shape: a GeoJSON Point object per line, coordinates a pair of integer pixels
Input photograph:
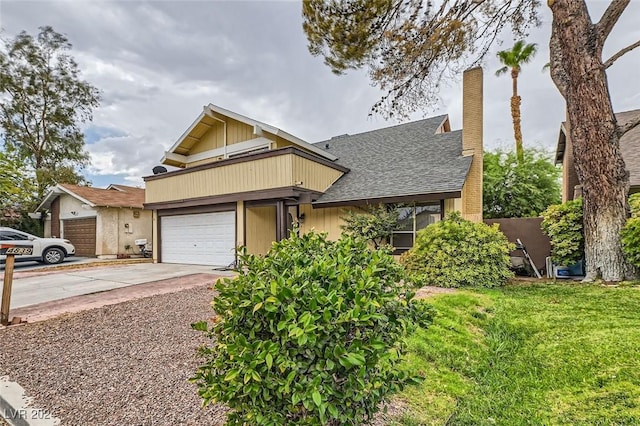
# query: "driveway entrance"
{"type": "Point", "coordinates": [31, 288]}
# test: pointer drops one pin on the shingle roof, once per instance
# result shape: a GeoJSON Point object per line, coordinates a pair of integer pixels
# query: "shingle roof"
{"type": "Point", "coordinates": [630, 145]}
{"type": "Point", "coordinates": [404, 160]}
{"type": "Point", "coordinates": [123, 196]}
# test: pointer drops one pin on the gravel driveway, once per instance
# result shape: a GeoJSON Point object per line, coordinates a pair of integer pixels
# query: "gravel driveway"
{"type": "Point", "coordinates": [124, 364]}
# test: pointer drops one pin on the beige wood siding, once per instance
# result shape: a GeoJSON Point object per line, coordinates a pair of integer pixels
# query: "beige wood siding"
{"type": "Point", "coordinates": [452, 205]}
{"type": "Point", "coordinates": [212, 139]}
{"type": "Point", "coordinates": [240, 224]}
{"type": "Point", "coordinates": [260, 229]}
{"type": "Point", "coordinates": [283, 143]}
{"type": "Point", "coordinates": [313, 175]}
{"type": "Point", "coordinates": [205, 161]}
{"type": "Point", "coordinates": [154, 236]}
{"type": "Point", "coordinates": [326, 220]}
{"type": "Point", "coordinates": [236, 132]}
{"type": "Point", "coordinates": [266, 173]}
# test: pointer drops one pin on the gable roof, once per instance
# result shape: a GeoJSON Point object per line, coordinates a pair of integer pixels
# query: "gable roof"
{"type": "Point", "coordinates": [259, 126]}
{"type": "Point", "coordinates": [407, 161]}
{"type": "Point", "coordinates": [629, 145]}
{"type": "Point", "coordinates": [113, 196]}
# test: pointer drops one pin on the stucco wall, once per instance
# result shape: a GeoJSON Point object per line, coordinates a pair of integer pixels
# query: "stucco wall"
{"type": "Point", "coordinates": [112, 236]}
{"type": "Point", "coordinates": [72, 208]}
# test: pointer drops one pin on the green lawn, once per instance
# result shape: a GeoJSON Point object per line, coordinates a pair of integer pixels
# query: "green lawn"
{"type": "Point", "coordinates": [529, 354]}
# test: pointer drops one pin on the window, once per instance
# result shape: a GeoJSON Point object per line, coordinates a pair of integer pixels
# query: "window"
{"type": "Point", "coordinates": [412, 219]}
{"type": "Point", "coordinates": [13, 236]}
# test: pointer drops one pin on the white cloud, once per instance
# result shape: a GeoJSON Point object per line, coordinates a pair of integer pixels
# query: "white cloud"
{"type": "Point", "coordinates": [158, 62]}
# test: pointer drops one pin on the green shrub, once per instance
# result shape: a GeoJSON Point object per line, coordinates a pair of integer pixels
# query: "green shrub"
{"type": "Point", "coordinates": [630, 237]}
{"type": "Point", "coordinates": [634, 205]}
{"type": "Point", "coordinates": [309, 334]}
{"type": "Point", "coordinates": [456, 253]}
{"type": "Point", "coordinates": [373, 223]}
{"type": "Point", "coordinates": [563, 224]}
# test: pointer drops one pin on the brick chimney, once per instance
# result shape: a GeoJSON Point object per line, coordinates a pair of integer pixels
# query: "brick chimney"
{"type": "Point", "coordinates": [472, 143]}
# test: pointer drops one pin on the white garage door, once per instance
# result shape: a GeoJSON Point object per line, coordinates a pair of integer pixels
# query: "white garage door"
{"type": "Point", "coordinates": [199, 239]}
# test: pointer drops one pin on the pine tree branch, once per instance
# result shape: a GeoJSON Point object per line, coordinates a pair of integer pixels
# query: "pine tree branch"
{"type": "Point", "coordinates": [621, 52]}
{"type": "Point", "coordinates": [610, 18]}
{"type": "Point", "coordinates": [629, 126]}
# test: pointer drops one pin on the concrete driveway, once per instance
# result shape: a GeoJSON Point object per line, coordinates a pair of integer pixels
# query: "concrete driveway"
{"type": "Point", "coordinates": [31, 288]}
{"type": "Point", "coordinates": [31, 266]}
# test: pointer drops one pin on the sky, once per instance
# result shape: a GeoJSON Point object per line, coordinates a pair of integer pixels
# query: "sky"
{"type": "Point", "coordinates": [157, 63]}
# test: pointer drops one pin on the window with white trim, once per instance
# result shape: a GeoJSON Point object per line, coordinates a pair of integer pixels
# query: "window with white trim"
{"type": "Point", "coordinates": [412, 219]}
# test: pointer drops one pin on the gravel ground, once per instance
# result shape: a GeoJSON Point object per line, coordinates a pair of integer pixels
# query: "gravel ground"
{"type": "Point", "coordinates": [125, 364]}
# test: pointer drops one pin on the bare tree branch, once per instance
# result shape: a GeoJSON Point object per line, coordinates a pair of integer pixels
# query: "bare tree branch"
{"type": "Point", "coordinates": [609, 19]}
{"type": "Point", "coordinates": [621, 52]}
{"type": "Point", "coordinates": [629, 126]}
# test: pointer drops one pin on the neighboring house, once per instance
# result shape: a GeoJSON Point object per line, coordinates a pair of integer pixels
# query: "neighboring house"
{"type": "Point", "coordinates": [629, 145]}
{"type": "Point", "coordinates": [244, 183]}
{"type": "Point", "coordinates": [98, 222]}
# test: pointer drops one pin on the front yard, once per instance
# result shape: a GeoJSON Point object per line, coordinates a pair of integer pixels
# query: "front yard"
{"type": "Point", "coordinates": [535, 354]}
{"type": "Point", "coordinates": [529, 354]}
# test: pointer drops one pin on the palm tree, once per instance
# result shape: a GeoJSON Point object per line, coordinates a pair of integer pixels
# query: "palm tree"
{"type": "Point", "coordinates": [513, 59]}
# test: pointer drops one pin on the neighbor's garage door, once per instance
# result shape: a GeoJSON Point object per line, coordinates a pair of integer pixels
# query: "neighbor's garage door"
{"type": "Point", "coordinates": [199, 239]}
{"type": "Point", "coordinates": [82, 234]}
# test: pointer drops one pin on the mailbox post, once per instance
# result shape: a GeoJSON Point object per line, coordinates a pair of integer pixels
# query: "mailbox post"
{"type": "Point", "coordinates": [10, 251]}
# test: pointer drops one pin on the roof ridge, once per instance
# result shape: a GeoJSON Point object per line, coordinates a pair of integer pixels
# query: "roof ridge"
{"type": "Point", "coordinates": [348, 135]}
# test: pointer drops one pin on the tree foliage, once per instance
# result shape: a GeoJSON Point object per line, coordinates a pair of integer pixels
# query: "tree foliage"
{"type": "Point", "coordinates": [16, 189]}
{"type": "Point", "coordinates": [310, 334]}
{"type": "Point", "coordinates": [521, 53]}
{"type": "Point", "coordinates": [513, 59]}
{"type": "Point", "coordinates": [456, 252]}
{"type": "Point", "coordinates": [373, 223]}
{"type": "Point", "coordinates": [409, 45]}
{"type": "Point", "coordinates": [44, 102]}
{"type": "Point", "coordinates": [519, 189]}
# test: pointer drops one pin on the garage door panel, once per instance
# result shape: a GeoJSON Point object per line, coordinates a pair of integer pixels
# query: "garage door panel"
{"type": "Point", "coordinates": [199, 239]}
{"type": "Point", "coordinates": [82, 234]}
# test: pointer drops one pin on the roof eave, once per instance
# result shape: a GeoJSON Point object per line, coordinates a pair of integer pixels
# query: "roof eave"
{"type": "Point", "coordinates": [561, 146]}
{"type": "Point", "coordinates": [431, 196]}
{"type": "Point", "coordinates": [48, 199]}
{"type": "Point", "coordinates": [57, 191]}
{"type": "Point", "coordinates": [186, 132]}
{"type": "Point", "coordinates": [273, 130]}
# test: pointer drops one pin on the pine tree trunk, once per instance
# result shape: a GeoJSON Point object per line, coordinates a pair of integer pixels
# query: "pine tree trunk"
{"type": "Point", "coordinates": [579, 73]}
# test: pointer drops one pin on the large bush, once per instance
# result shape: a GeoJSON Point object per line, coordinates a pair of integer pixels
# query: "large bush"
{"type": "Point", "coordinates": [563, 224]}
{"type": "Point", "coordinates": [310, 334]}
{"type": "Point", "coordinates": [513, 188]}
{"type": "Point", "coordinates": [456, 252]}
